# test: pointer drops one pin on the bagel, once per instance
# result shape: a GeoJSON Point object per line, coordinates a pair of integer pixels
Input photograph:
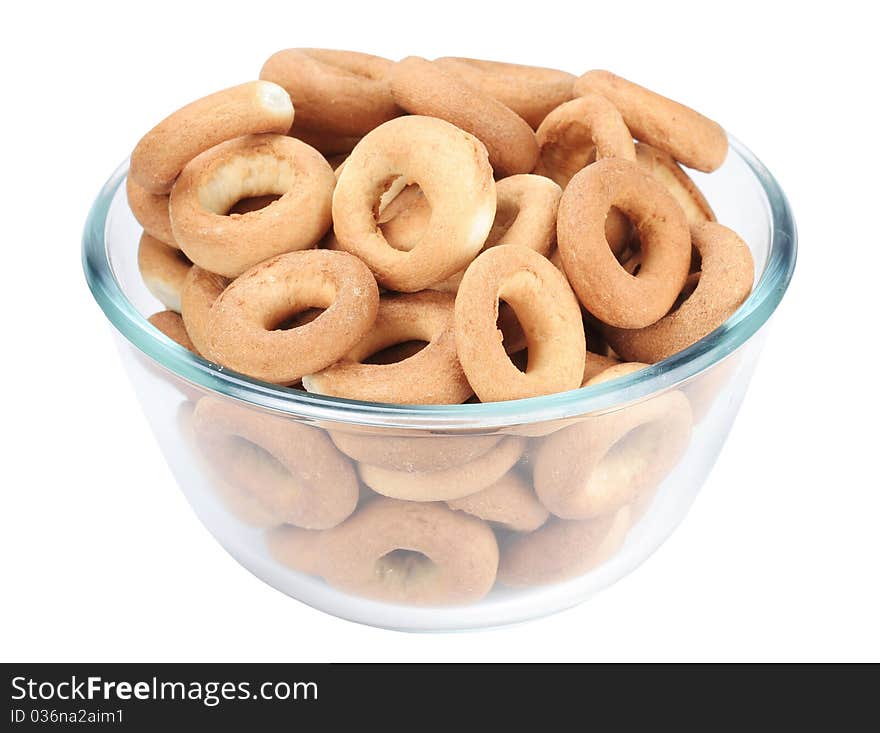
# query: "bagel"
{"type": "Point", "coordinates": [604, 288]}
{"type": "Point", "coordinates": [578, 133]}
{"type": "Point", "coordinates": [161, 154]}
{"type": "Point", "coordinates": [530, 91]}
{"type": "Point", "coordinates": [254, 165]}
{"type": "Point", "coordinates": [171, 324]}
{"type": "Point", "coordinates": [561, 550]}
{"type": "Point", "coordinates": [237, 500]}
{"type": "Point", "coordinates": [724, 282]}
{"type": "Point", "coordinates": [510, 502]}
{"type": "Point", "coordinates": [664, 168]}
{"type": "Point", "coordinates": [340, 93]}
{"type": "Point", "coordinates": [525, 214]}
{"type": "Point", "coordinates": [198, 292]}
{"type": "Point", "coordinates": [603, 462]}
{"type": "Point", "coordinates": [151, 211]}
{"type": "Point", "coordinates": [458, 186]}
{"type": "Point", "coordinates": [243, 323]}
{"type": "Point", "coordinates": [294, 471]}
{"type": "Point", "coordinates": [397, 552]}
{"type": "Point", "coordinates": [546, 309]}
{"type": "Point", "coordinates": [423, 87]}
{"type": "Point", "coordinates": [686, 135]}
{"type": "Point", "coordinates": [412, 453]}
{"type": "Point", "coordinates": [163, 270]}
{"type": "Point", "coordinates": [431, 376]}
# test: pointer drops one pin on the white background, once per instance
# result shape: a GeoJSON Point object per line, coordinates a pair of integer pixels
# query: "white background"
{"type": "Point", "coordinates": [102, 558]}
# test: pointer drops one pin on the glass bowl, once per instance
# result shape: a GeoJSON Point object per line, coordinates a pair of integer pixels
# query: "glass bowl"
{"type": "Point", "coordinates": [436, 517]}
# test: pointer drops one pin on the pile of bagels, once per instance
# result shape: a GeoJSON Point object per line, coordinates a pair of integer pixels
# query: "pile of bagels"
{"type": "Point", "coordinates": [433, 232]}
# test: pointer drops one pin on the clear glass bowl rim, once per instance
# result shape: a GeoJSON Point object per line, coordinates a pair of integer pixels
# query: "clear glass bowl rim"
{"type": "Point", "coordinates": [738, 329]}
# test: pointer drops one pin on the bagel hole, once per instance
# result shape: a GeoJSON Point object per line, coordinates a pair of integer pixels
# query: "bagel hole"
{"type": "Point", "coordinates": [571, 151]}
{"type": "Point", "coordinates": [404, 565]}
{"type": "Point", "coordinates": [520, 360]}
{"type": "Point", "coordinates": [245, 176]}
{"type": "Point", "coordinates": [689, 286]}
{"type": "Point", "coordinates": [630, 257]}
{"type": "Point", "coordinates": [395, 353]}
{"type": "Point", "coordinates": [621, 234]}
{"type": "Point", "coordinates": [513, 336]}
{"type": "Point", "coordinates": [178, 253]}
{"type": "Point", "coordinates": [252, 203]}
{"type": "Point", "coordinates": [395, 194]}
{"type": "Point", "coordinates": [596, 343]}
{"type": "Point", "coordinates": [505, 217]}
{"type": "Point", "coordinates": [403, 214]}
{"type": "Point", "coordinates": [295, 320]}
{"type": "Point", "coordinates": [631, 262]}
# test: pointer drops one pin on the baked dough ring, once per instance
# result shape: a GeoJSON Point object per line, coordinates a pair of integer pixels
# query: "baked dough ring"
{"type": "Point", "coordinates": [525, 214]}
{"type": "Point", "coordinates": [725, 281]}
{"type": "Point", "coordinates": [400, 231]}
{"type": "Point", "coordinates": [604, 462]}
{"type": "Point", "coordinates": [163, 270]}
{"type": "Point", "coordinates": [530, 91]}
{"type": "Point", "coordinates": [632, 263]}
{"type": "Point", "coordinates": [686, 135]}
{"type": "Point", "coordinates": [197, 294]}
{"type": "Point", "coordinates": [161, 154]}
{"type": "Point", "coordinates": [423, 87]}
{"type": "Point", "coordinates": [547, 311]}
{"type": "Point", "coordinates": [238, 501]}
{"type": "Point", "coordinates": [618, 234]}
{"type": "Point", "coordinates": [294, 470]}
{"type": "Point", "coordinates": [433, 376]}
{"type": "Point", "coordinates": [403, 217]}
{"type": "Point", "coordinates": [458, 185]}
{"type": "Point", "coordinates": [340, 93]}
{"type": "Point", "coordinates": [171, 324]}
{"type": "Point", "coordinates": [243, 323]}
{"type": "Point", "coordinates": [151, 211]}
{"type": "Point", "coordinates": [451, 483]}
{"type": "Point", "coordinates": [254, 165]}
{"type": "Point", "coordinates": [509, 502]}
{"type": "Point", "coordinates": [604, 288]}
{"type": "Point", "coordinates": [412, 453]}
{"type": "Point", "coordinates": [578, 133]}
{"type": "Point", "coordinates": [253, 203]}
{"type": "Point", "coordinates": [664, 168]}
{"type": "Point", "coordinates": [561, 550]}
{"type": "Point", "coordinates": [397, 552]}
